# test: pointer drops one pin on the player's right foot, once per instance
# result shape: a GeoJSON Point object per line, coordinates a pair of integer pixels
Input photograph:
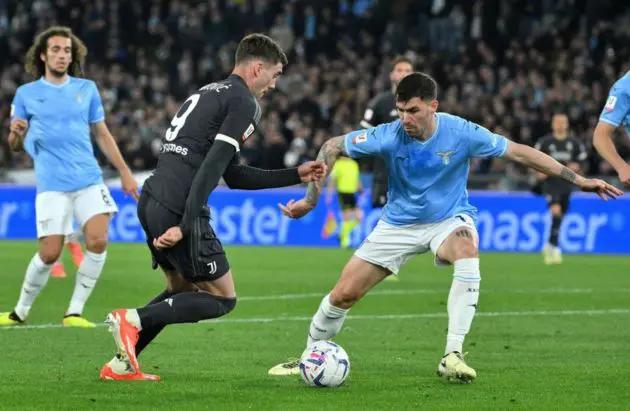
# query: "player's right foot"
{"type": "Point", "coordinates": [286, 368]}
{"type": "Point", "coordinates": [58, 270]}
{"type": "Point", "coordinates": [76, 251]}
{"type": "Point", "coordinates": [9, 319]}
{"type": "Point", "coordinates": [453, 367]}
{"type": "Point", "coordinates": [392, 277]}
{"type": "Point", "coordinates": [119, 369]}
{"type": "Point", "coordinates": [125, 335]}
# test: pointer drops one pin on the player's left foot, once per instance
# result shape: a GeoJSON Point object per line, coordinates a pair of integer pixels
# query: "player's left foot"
{"type": "Point", "coordinates": [75, 320]}
{"type": "Point", "coordinates": [119, 369]}
{"type": "Point", "coordinates": [10, 319]}
{"type": "Point", "coordinates": [125, 335]}
{"type": "Point", "coordinates": [76, 251]}
{"type": "Point", "coordinates": [286, 368]}
{"type": "Point", "coordinates": [453, 367]}
{"type": "Point", "coordinates": [58, 270]}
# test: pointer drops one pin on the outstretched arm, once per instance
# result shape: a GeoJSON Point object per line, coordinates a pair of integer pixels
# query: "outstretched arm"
{"type": "Point", "coordinates": [240, 176]}
{"type": "Point", "coordinates": [603, 143]}
{"type": "Point", "coordinates": [330, 151]}
{"type": "Point", "coordinates": [542, 162]}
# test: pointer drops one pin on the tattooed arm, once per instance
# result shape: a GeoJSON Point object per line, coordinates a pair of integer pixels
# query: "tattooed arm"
{"type": "Point", "coordinates": [545, 164]}
{"type": "Point", "coordinates": [329, 153]}
{"type": "Point", "coordinates": [540, 161]}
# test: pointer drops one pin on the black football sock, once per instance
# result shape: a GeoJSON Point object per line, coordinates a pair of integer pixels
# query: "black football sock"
{"type": "Point", "coordinates": [148, 334]}
{"type": "Point", "coordinates": [555, 230]}
{"type": "Point", "coordinates": [188, 307]}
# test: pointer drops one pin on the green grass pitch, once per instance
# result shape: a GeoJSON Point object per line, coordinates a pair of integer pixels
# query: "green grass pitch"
{"type": "Point", "coordinates": [546, 337]}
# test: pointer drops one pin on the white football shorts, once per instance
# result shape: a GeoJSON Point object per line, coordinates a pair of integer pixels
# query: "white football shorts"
{"type": "Point", "coordinates": [391, 246]}
{"type": "Point", "coordinates": [54, 210]}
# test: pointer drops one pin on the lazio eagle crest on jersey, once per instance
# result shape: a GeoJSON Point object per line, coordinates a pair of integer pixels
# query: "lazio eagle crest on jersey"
{"type": "Point", "coordinates": [446, 156]}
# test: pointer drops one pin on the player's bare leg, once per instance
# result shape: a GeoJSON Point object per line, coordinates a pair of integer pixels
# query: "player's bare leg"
{"type": "Point", "coordinates": [460, 249]}
{"type": "Point", "coordinates": [358, 277]}
{"type": "Point", "coordinates": [36, 277]}
{"type": "Point", "coordinates": [95, 233]}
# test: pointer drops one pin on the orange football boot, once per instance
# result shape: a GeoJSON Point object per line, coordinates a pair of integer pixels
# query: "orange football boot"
{"type": "Point", "coordinates": [126, 336]}
{"type": "Point", "coordinates": [76, 251]}
{"type": "Point", "coordinates": [58, 270]}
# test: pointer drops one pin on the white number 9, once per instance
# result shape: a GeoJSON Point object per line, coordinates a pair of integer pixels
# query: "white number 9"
{"type": "Point", "coordinates": [180, 118]}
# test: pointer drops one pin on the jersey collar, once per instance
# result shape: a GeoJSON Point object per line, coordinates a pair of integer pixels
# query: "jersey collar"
{"type": "Point", "coordinates": [43, 80]}
{"type": "Point", "coordinates": [415, 140]}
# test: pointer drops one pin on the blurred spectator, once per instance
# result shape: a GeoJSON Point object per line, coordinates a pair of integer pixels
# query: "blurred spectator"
{"type": "Point", "coordinates": [505, 64]}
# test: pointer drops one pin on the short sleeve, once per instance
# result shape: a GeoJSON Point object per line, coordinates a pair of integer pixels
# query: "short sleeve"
{"type": "Point", "coordinates": [238, 124]}
{"type": "Point", "coordinates": [18, 109]}
{"type": "Point", "coordinates": [616, 107]}
{"type": "Point", "coordinates": [97, 113]}
{"type": "Point", "coordinates": [483, 142]}
{"type": "Point", "coordinates": [366, 142]}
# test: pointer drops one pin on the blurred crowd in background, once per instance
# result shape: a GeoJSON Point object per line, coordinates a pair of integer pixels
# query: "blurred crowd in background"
{"type": "Point", "coordinates": [507, 64]}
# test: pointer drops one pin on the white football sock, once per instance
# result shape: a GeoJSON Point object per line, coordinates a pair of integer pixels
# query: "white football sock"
{"type": "Point", "coordinates": [326, 322]}
{"type": "Point", "coordinates": [37, 274]}
{"type": "Point", "coordinates": [87, 275]}
{"type": "Point", "coordinates": [462, 302]}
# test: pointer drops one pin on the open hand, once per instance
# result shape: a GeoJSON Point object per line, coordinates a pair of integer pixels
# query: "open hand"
{"type": "Point", "coordinates": [296, 209]}
{"type": "Point", "coordinates": [312, 171]}
{"type": "Point", "coordinates": [129, 185]}
{"type": "Point", "coordinates": [604, 190]}
{"type": "Point", "coordinates": [167, 240]}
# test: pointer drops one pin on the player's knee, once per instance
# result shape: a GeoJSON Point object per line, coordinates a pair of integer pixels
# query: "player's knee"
{"type": "Point", "coordinates": [228, 304]}
{"type": "Point", "coordinates": [466, 248]}
{"type": "Point", "coordinates": [96, 243]}
{"type": "Point", "coordinates": [344, 296]}
{"type": "Point", "coordinates": [49, 255]}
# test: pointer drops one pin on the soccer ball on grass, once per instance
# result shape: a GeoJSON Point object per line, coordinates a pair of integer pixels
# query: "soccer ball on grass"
{"type": "Point", "coordinates": [324, 364]}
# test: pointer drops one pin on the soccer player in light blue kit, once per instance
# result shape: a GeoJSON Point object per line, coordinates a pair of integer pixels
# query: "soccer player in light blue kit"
{"type": "Point", "coordinates": [428, 158]}
{"type": "Point", "coordinates": [51, 118]}
{"type": "Point", "coordinates": [616, 112]}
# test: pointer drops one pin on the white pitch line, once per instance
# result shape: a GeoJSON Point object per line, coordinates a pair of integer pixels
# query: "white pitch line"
{"type": "Point", "coordinates": [264, 320]}
{"type": "Point", "coordinates": [433, 291]}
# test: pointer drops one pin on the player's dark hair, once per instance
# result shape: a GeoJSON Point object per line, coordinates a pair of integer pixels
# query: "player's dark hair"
{"type": "Point", "coordinates": [259, 46]}
{"type": "Point", "coordinates": [400, 59]}
{"type": "Point", "coordinates": [37, 68]}
{"type": "Point", "coordinates": [416, 84]}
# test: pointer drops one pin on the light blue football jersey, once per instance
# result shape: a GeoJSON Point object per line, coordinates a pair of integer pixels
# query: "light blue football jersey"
{"type": "Point", "coordinates": [427, 180]}
{"type": "Point", "coordinates": [616, 111]}
{"type": "Point", "coordinates": [58, 137]}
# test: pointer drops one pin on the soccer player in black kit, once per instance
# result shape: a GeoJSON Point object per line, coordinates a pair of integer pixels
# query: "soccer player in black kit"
{"type": "Point", "coordinates": [200, 146]}
{"type": "Point", "coordinates": [570, 152]}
